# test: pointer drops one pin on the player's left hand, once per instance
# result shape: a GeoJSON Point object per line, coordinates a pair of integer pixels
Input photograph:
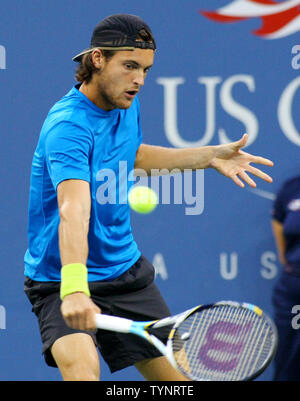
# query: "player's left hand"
{"type": "Point", "coordinates": [234, 163]}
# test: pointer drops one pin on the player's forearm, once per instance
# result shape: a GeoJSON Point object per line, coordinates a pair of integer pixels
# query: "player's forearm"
{"type": "Point", "coordinates": [158, 158]}
{"type": "Point", "coordinates": [73, 238]}
{"type": "Point", "coordinates": [279, 240]}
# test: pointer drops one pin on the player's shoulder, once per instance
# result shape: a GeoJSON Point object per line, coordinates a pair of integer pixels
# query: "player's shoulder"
{"type": "Point", "coordinates": [70, 109]}
{"type": "Point", "coordinates": [290, 187]}
{"type": "Point", "coordinates": [292, 182]}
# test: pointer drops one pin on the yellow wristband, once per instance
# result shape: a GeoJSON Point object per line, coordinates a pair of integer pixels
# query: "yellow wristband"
{"type": "Point", "coordinates": [74, 278]}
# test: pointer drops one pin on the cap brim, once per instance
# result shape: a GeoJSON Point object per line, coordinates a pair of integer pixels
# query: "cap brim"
{"type": "Point", "coordinates": [78, 57]}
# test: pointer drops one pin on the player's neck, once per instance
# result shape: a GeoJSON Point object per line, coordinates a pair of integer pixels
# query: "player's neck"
{"type": "Point", "coordinates": [92, 93]}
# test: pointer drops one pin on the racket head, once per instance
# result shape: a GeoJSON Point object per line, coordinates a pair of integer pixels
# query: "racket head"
{"type": "Point", "coordinates": [226, 341]}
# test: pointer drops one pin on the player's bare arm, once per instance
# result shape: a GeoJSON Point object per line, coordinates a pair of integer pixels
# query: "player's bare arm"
{"type": "Point", "coordinates": [74, 204]}
{"type": "Point", "coordinates": [227, 159]}
{"type": "Point", "coordinates": [280, 241]}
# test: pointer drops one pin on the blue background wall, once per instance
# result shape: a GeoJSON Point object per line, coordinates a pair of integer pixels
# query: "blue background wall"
{"type": "Point", "coordinates": [227, 251]}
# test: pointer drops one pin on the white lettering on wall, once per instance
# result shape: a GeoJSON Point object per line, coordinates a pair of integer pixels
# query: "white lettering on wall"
{"type": "Point", "coordinates": [269, 270]}
{"type": "Point", "coordinates": [2, 58]}
{"type": "Point", "coordinates": [285, 107]}
{"type": "Point", "coordinates": [231, 106]}
{"type": "Point", "coordinates": [236, 110]}
{"type": "Point", "coordinates": [2, 318]}
{"type": "Point", "coordinates": [160, 266]}
{"type": "Point", "coordinates": [229, 271]}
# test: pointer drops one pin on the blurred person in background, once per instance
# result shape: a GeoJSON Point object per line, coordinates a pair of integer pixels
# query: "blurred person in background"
{"type": "Point", "coordinates": [286, 292]}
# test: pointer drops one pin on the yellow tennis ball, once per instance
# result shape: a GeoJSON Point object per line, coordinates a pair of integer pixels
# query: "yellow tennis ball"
{"type": "Point", "coordinates": [142, 199]}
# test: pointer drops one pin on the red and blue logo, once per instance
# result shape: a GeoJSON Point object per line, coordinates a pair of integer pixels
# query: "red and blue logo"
{"type": "Point", "coordinates": [279, 19]}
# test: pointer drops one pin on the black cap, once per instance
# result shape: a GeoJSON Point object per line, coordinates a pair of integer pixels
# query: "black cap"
{"type": "Point", "coordinates": [120, 32]}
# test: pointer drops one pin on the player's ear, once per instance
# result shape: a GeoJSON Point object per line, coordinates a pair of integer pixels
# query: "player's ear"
{"type": "Point", "coordinates": [98, 58]}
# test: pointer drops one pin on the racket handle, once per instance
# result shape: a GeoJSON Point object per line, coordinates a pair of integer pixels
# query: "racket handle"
{"type": "Point", "coordinates": [113, 323]}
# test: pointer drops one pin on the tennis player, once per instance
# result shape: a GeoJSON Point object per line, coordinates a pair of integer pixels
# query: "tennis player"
{"type": "Point", "coordinates": [82, 258]}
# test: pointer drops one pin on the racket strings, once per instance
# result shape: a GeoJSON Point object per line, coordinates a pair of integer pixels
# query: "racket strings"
{"type": "Point", "coordinates": [258, 349]}
{"type": "Point", "coordinates": [222, 343]}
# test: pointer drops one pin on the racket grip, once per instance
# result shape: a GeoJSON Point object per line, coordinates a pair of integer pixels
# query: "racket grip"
{"type": "Point", "coordinates": [113, 323]}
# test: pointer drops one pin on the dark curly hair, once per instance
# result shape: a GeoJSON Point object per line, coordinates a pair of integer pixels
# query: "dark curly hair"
{"type": "Point", "coordinates": [86, 68]}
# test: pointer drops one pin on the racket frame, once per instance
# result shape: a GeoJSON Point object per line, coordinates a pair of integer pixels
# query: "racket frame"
{"type": "Point", "coordinates": [244, 305]}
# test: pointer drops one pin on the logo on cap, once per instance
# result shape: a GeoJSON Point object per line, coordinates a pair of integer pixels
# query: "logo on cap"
{"type": "Point", "coordinates": [279, 19]}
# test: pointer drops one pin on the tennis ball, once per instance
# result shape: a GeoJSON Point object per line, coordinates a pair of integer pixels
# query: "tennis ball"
{"type": "Point", "coordinates": [142, 199]}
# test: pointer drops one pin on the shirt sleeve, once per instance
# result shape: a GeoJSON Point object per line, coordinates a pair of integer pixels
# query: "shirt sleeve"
{"type": "Point", "coordinates": [67, 151]}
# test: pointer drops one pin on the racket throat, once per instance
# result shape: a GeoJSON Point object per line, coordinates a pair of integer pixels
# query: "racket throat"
{"type": "Point", "coordinates": [158, 344]}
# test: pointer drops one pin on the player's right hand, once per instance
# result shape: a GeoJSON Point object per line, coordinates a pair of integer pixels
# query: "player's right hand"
{"type": "Point", "coordinates": [79, 311]}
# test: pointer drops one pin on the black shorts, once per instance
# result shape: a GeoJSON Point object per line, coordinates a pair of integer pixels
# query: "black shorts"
{"type": "Point", "coordinates": [133, 295]}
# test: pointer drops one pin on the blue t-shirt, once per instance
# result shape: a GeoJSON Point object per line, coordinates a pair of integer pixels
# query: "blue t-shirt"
{"type": "Point", "coordinates": [79, 140]}
{"type": "Point", "coordinates": [286, 210]}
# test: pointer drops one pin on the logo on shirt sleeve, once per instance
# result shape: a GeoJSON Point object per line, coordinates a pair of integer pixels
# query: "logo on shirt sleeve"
{"type": "Point", "coordinates": [294, 205]}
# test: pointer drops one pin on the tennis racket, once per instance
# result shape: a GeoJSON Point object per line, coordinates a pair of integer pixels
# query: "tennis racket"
{"type": "Point", "coordinates": [225, 341]}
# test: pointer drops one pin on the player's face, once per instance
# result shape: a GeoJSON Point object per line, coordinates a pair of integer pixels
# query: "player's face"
{"type": "Point", "coordinates": [122, 76]}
